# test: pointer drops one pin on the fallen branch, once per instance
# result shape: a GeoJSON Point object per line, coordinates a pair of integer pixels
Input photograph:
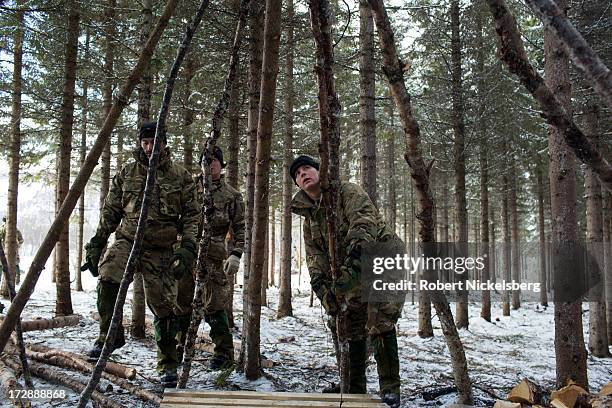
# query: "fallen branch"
{"type": "Point", "coordinates": [52, 323]}
{"type": "Point", "coordinates": [576, 47]}
{"type": "Point", "coordinates": [55, 377]}
{"type": "Point", "coordinates": [9, 383]}
{"type": "Point", "coordinates": [113, 368]}
{"type": "Point", "coordinates": [512, 52]}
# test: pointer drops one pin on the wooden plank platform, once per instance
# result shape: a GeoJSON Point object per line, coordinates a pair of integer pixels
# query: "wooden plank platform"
{"type": "Point", "coordinates": [175, 398]}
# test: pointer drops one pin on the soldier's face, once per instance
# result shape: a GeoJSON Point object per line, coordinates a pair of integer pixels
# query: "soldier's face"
{"type": "Point", "coordinates": [307, 177]}
{"type": "Point", "coordinates": [215, 169]}
{"type": "Point", "coordinates": [147, 145]}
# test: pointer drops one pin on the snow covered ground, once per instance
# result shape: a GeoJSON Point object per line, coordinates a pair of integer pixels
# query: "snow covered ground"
{"type": "Point", "coordinates": [499, 354]}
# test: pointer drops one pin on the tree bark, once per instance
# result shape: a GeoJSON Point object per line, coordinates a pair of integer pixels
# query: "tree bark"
{"type": "Point", "coordinates": [392, 193]}
{"type": "Point", "coordinates": [284, 296]}
{"type": "Point", "coordinates": [598, 330]}
{"type": "Point", "coordinates": [420, 174]}
{"type": "Point", "coordinates": [14, 152]}
{"type": "Point", "coordinates": [506, 257]}
{"type": "Point", "coordinates": [514, 231]}
{"type": "Point", "coordinates": [367, 119]}
{"type": "Point", "coordinates": [541, 234]}
{"type": "Point", "coordinates": [82, 153]}
{"type": "Point", "coordinates": [461, 225]}
{"type": "Point", "coordinates": [63, 304]}
{"type": "Point", "coordinates": [110, 34]}
{"type": "Point", "coordinates": [513, 54]}
{"type": "Point", "coordinates": [41, 256]}
{"type": "Point", "coordinates": [576, 47]}
{"type": "Point", "coordinates": [570, 352]}
{"type": "Point", "coordinates": [188, 113]}
{"type": "Point", "coordinates": [272, 250]}
{"type": "Point", "coordinates": [256, 25]}
{"type": "Point", "coordinates": [269, 72]}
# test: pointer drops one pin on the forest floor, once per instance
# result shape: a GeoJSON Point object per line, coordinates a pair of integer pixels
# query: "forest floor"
{"type": "Point", "coordinates": [499, 353]}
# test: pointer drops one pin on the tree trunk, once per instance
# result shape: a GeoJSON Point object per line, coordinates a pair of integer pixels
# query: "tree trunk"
{"type": "Point", "coordinates": [137, 326]}
{"type": "Point", "coordinates": [188, 113]}
{"type": "Point", "coordinates": [608, 261]}
{"type": "Point", "coordinates": [256, 26]}
{"type": "Point", "coordinates": [110, 34]}
{"type": "Point", "coordinates": [392, 194]}
{"type": "Point", "coordinates": [506, 271]}
{"type": "Point", "coordinates": [82, 152]}
{"type": "Point", "coordinates": [570, 352]}
{"type": "Point", "coordinates": [598, 330]}
{"type": "Point", "coordinates": [10, 240]}
{"type": "Point", "coordinates": [233, 118]}
{"type": "Point", "coordinates": [492, 249]}
{"type": "Point", "coordinates": [481, 129]}
{"type": "Point", "coordinates": [63, 304]}
{"type": "Point", "coordinates": [284, 297]}
{"type": "Point", "coordinates": [41, 256]}
{"type": "Point", "coordinates": [367, 119]}
{"type": "Point", "coordinates": [272, 28]}
{"type": "Point", "coordinates": [264, 271]}
{"type": "Point", "coordinates": [516, 256]}
{"type": "Point", "coordinates": [272, 251]}
{"type": "Point", "coordinates": [420, 175]}
{"type": "Point", "coordinates": [461, 225]}
{"type": "Point", "coordinates": [542, 234]}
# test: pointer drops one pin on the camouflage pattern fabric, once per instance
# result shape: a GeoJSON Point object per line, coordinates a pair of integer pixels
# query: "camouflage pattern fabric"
{"type": "Point", "coordinates": [3, 230]}
{"type": "Point", "coordinates": [174, 208]}
{"type": "Point", "coordinates": [227, 217]}
{"type": "Point", "coordinates": [359, 222]}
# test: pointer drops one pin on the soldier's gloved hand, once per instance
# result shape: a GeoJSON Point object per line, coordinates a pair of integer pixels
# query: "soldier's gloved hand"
{"type": "Point", "coordinates": [348, 279]}
{"type": "Point", "coordinates": [330, 303]}
{"type": "Point", "coordinates": [181, 260]}
{"type": "Point", "coordinates": [93, 253]}
{"type": "Point", "coordinates": [231, 265]}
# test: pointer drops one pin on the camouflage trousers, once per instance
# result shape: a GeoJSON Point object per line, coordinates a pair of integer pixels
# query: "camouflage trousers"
{"type": "Point", "coordinates": [215, 301]}
{"type": "Point", "coordinates": [375, 321]}
{"type": "Point", "coordinates": [160, 287]}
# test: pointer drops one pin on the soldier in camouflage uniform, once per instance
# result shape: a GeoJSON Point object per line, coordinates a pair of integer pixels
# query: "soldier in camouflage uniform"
{"type": "Point", "coordinates": [163, 261]}
{"type": "Point", "coordinates": [228, 216]}
{"type": "Point", "coordinates": [359, 222]}
{"type": "Point", "coordinates": [3, 229]}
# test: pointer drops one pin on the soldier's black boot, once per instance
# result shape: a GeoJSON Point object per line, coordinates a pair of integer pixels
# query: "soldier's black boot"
{"type": "Point", "coordinates": [223, 340]}
{"type": "Point", "coordinates": [358, 352]}
{"type": "Point", "coordinates": [332, 389]}
{"type": "Point", "coordinates": [107, 294]}
{"type": "Point", "coordinates": [387, 362]}
{"type": "Point", "coordinates": [165, 336]}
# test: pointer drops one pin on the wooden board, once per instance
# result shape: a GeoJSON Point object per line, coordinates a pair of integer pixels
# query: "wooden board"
{"type": "Point", "coordinates": [175, 398]}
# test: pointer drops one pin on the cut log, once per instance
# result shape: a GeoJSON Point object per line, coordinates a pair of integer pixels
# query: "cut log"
{"type": "Point", "coordinates": [67, 360]}
{"type": "Point", "coordinates": [506, 404]}
{"type": "Point", "coordinates": [8, 382]}
{"type": "Point", "coordinates": [52, 323]}
{"type": "Point", "coordinates": [128, 322]}
{"type": "Point", "coordinates": [116, 369]}
{"type": "Point", "coordinates": [526, 392]}
{"type": "Point", "coordinates": [55, 377]}
{"type": "Point", "coordinates": [567, 396]}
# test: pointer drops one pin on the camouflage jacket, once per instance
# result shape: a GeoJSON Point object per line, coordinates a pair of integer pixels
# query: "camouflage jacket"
{"type": "Point", "coordinates": [3, 230]}
{"type": "Point", "coordinates": [228, 216]}
{"type": "Point", "coordinates": [358, 220]}
{"type": "Point", "coordinates": [174, 206]}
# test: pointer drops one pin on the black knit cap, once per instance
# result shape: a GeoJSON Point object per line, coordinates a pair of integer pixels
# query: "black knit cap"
{"type": "Point", "coordinates": [301, 161]}
{"type": "Point", "coordinates": [217, 154]}
{"type": "Point", "coordinates": [148, 130]}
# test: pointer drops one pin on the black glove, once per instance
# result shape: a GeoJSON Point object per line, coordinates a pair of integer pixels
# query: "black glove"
{"type": "Point", "coordinates": [93, 253]}
{"type": "Point", "coordinates": [181, 260]}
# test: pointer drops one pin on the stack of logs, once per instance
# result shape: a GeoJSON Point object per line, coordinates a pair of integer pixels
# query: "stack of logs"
{"type": "Point", "coordinates": [529, 394]}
